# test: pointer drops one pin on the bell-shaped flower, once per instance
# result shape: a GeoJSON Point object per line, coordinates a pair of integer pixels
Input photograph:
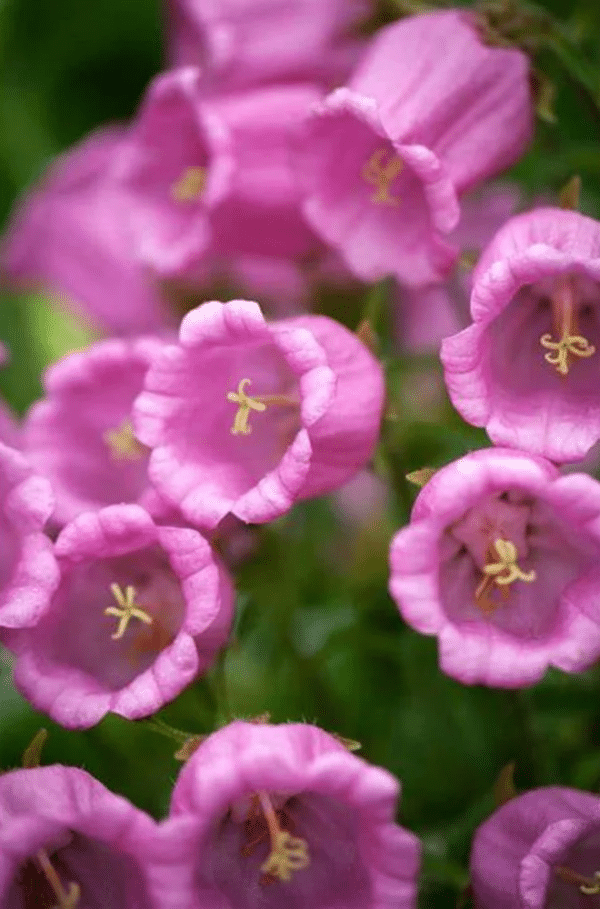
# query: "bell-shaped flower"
{"type": "Point", "coordinates": [527, 368]}
{"type": "Point", "coordinates": [540, 850]}
{"type": "Point", "coordinates": [29, 574]}
{"type": "Point", "coordinates": [500, 562]}
{"type": "Point", "coordinates": [67, 842]}
{"type": "Point", "coordinates": [386, 157]}
{"type": "Point", "coordinates": [175, 165]}
{"type": "Point", "coordinates": [246, 416]}
{"type": "Point", "coordinates": [139, 613]}
{"type": "Point", "coordinates": [286, 815]}
{"type": "Point", "coordinates": [239, 43]}
{"type": "Point", "coordinates": [72, 234]}
{"type": "Point", "coordinates": [80, 434]}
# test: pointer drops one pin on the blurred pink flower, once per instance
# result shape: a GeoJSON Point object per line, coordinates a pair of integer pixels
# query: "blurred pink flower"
{"type": "Point", "coordinates": [385, 158]}
{"type": "Point", "coordinates": [500, 562]}
{"type": "Point", "coordinates": [527, 367]}
{"type": "Point", "coordinates": [140, 612]}
{"type": "Point", "coordinates": [80, 436]}
{"type": "Point", "coordinates": [246, 416]}
{"type": "Point", "coordinates": [63, 834]}
{"type": "Point", "coordinates": [72, 234]}
{"type": "Point", "coordinates": [424, 316]}
{"type": "Point", "coordinates": [541, 850]}
{"type": "Point", "coordinates": [285, 815]}
{"type": "Point", "coordinates": [239, 43]}
{"type": "Point", "coordinates": [28, 571]}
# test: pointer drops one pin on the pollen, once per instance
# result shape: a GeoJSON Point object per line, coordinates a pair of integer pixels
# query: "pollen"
{"type": "Point", "coordinates": [122, 443]}
{"type": "Point", "coordinates": [380, 171]}
{"type": "Point", "coordinates": [126, 610]}
{"type": "Point", "coordinates": [257, 402]}
{"type": "Point", "coordinates": [570, 342]}
{"type": "Point", "coordinates": [503, 572]}
{"type": "Point", "coordinates": [67, 899]}
{"type": "Point", "coordinates": [190, 185]}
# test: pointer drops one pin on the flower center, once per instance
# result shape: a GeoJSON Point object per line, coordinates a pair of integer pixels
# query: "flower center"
{"type": "Point", "coordinates": [67, 899]}
{"type": "Point", "coordinates": [122, 443]}
{"type": "Point", "coordinates": [503, 572]}
{"type": "Point", "coordinates": [190, 185]}
{"type": "Point", "coordinates": [288, 853]}
{"type": "Point", "coordinates": [589, 886]}
{"type": "Point", "coordinates": [380, 170]}
{"type": "Point", "coordinates": [570, 343]}
{"type": "Point", "coordinates": [126, 610]}
{"type": "Point", "coordinates": [257, 402]}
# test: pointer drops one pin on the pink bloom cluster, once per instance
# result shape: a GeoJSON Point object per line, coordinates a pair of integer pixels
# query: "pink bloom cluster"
{"type": "Point", "coordinates": [259, 815]}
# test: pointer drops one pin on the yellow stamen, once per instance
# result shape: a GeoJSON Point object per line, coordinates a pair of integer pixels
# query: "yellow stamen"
{"type": "Point", "coordinates": [381, 168]}
{"type": "Point", "coordinates": [502, 573]}
{"type": "Point", "coordinates": [67, 899]}
{"type": "Point", "coordinates": [570, 343]}
{"type": "Point", "coordinates": [122, 443]}
{"type": "Point", "coordinates": [246, 404]}
{"type": "Point", "coordinates": [190, 185]}
{"type": "Point", "coordinates": [587, 885]}
{"type": "Point", "coordinates": [126, 610]}
{"type": "Point", "coordinates": [288, 853]}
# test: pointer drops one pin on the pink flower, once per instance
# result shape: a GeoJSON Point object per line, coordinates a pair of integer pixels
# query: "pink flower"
{"type": "Point", "coordinates": [247, 417]}
{"type": "Point", "coordinates": [67, 841]}
{"type": "Point", "coordinates": [243, 42]}
{"type": "Point", "coordinates": [140, 612]}
{"type": "Point", "coordinates": [286, 815]}
{"type": "Point", "coordinates": [73, 234]}
{"type": "Point", "coordinates": [80, 435]}
{"type": "Point", "coordinates": [500, 562]}
{"type": "Point", "coordinates": [426, 315]}
{"type": "Point", "coordinates": [176, 164]}
{"type": "Point", "coordinates": [28, 571]}
{"type": "Point", "coordinates": [527, 367]}
{"type": "Point", "coordinates": [385, 158]}
{"type": "Point", "coordinates": [541, 850]}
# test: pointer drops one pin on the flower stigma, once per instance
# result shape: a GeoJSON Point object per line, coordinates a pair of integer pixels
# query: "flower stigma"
{"type": "Point", "coordinates": [380, 170]}
{"type": "Point", "coordinates": [503, 572]}
{"type": "Point", "coordinates": [122, 443]}
{"type": "Point", "coordinates": [570, 343]}
{"type": "Point", "coordinates": [190, 185]}
{"type": "Point", "coordinates": [288, 853]}
{"type": "Point", "coordinates": [126, 610]}
{"type": "Point", "coordinates": [246, 403]}
{"type": "Point", "coordinates": [67, 899]}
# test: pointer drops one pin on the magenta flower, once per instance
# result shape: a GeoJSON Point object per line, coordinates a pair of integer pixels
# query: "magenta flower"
{"type": "Point", "coordinates": [286, 815]}
{"type": "Point", "coordinates": [541, 850]}
{"type": "Point", "coordinates": [500, 562]}
{"type": "Point", "coordinates": [176, 165]}
{"type": "Point", "coordinates": [73, 235]}
{"type": "Point", "coordinates": [247, 417]}
{"type": "Point", "coordinates": [261, 215]}
{"type": "Point", "coordinates": [80, 435]}
{"type": "Point", "coordinates": [67, 842]}
{"type": "Point", "coordinates": [28, 571]}
{"type": "Point", "coordinates": [385, 158]}
{"type": "Point", "coordinates": [243, 42]}
{"type": "Point", "coordinates": [426, 315]}
{"type": "Point", "coordinates": [527, 367]}
{"type": "Point", "coordinates": [140, 612]}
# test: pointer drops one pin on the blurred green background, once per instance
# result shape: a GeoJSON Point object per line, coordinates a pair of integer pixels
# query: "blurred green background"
{"type": "Point", "coordinates": [317, 637]}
